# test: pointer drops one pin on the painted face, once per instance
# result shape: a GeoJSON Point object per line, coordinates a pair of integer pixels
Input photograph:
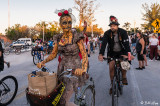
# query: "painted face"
{"type": "Point", "coordinates": [66, 23]}
{"type": "Point", "coordinates": [114, 28]}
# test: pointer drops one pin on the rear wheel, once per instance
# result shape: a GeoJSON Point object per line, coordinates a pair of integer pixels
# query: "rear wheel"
{"type": "Point", "coordinates": [134, 52]}
{"type": "Point", "coordinates": [35, 59]}
{"type": "Point", "coordinates": [17, 51]}
{"type": "Point", "coordinates": [8, 90]}
{"type": "Point", "coordinates": [115, 92]}
{"type": "Point", "coordinates": [88, 96]}
{"type": "Point", "coordinates": [6, 52]}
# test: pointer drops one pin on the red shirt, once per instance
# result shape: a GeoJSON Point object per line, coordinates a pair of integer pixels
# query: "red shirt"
{"type": "Point", "coordinates": [159, 39]}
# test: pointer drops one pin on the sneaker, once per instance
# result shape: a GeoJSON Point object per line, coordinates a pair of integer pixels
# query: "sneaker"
{"type": "Point", "coordinates": [8, 64]}
{"type": "Point", "coordinates": [150, 60]}
{"type": "Point", "coordinates": [110, 91]}
{"type": "Point", "coordinates": [143, 67]}
{"type": "Point", "coordinates": [124, 81]}
{"type": "Point", "coordinates": [139, 68]}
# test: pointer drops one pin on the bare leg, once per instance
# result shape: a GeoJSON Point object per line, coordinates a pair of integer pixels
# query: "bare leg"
{"type": "Point", "coordinates": [67, 94]}
{"type": "Point", "coordinates": [145, 59]}
{"type": "Point", "coordinates": [111, 69]}
{"type": "Point", "coordinates": [124, 72]}
{"type": "Point", "coordinates": [140, 64]}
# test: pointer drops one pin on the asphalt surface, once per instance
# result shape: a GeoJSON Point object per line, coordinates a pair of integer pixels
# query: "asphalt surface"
{"type": "Point", "coordinates": [143, 88]}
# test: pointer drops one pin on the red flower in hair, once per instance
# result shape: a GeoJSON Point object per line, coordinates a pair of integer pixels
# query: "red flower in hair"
{"type": "Point", "coordinates": [59, 14]}
{"type": "Point", "coordinates": [66, 12]}
{"type": "Point", "coordinates": [112, 18]}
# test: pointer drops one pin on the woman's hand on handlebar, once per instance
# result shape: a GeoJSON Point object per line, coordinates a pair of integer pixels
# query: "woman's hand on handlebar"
{"type": "Point", "coordinates": [40, 65]}
{"type": "Point", "coordinates": [79, 72]}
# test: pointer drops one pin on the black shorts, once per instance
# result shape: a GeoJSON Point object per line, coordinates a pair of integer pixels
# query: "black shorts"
{"type": "Point", "coordinates": [144, 51]}
{"type": "Point", "coordinates": [140, 57]}
{"type": "Point", "coordinates": [115, 55]}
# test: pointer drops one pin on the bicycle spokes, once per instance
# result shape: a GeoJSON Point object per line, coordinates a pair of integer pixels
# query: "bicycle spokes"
{"type": "Point", "coordinates": [6, 90]}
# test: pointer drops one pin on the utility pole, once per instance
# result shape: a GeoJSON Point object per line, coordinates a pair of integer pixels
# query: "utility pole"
{"type": "Point", "coordinates": [134, 26]}
{"type": "Point", "coordinates": [43, 32]}
{"type": "Point", "coordinates": [8, 15]}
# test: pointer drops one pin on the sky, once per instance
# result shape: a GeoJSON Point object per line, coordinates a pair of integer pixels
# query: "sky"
{"type": "Point", "coordinates": [30, 12]}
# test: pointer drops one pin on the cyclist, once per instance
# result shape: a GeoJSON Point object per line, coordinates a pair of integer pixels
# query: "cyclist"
{"type": "Point", "coordinates": [50, 45]}
{"type": "Point", "coordinates": [118, 45]}
{"type": "Point", "coordinates": [68, 45]}
{"type": "Point", "coordinates": [2, 59]}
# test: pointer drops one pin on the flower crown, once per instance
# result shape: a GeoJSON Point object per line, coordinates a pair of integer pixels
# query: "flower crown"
{"type": "Point", "coordinates": [63, 11]}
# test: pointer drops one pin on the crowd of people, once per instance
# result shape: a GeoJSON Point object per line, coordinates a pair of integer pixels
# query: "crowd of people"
{"type": "Point", "coordinates": [72, 46]}
{"type": "Point", "coordinates": [146, 45]}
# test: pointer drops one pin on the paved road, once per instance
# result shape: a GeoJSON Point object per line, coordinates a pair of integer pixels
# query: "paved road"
{"type": "Point", "coordinates": [143, 88]}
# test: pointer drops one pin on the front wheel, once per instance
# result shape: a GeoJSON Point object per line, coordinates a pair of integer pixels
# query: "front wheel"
{"type": "Point", "coordinates": [6, 52]}
{"type": "Point", "coordinates": [115, 92]}
{"type": "Point", "coordinates": [8, 90]}
{"type": "Point", "coordinates": [88, 97]}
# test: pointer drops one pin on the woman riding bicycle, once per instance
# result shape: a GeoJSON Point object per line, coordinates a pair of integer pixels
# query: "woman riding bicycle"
{"type": "Point", "coordinates": [68, 46]}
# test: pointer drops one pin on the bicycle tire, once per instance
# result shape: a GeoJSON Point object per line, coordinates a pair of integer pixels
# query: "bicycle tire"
{"type": "Point", "coordinates": [91, 88]}
{"type": "Point", "coordinates": [134, 52]}
{"type": "Point", "coordinates": [120, 85]}
{"type": "Point", "coordinates": [34, 59]}
{"type": "Point", "coordinates": [6, 52]}
{"type": "Point", "coordinates": [32, 53]}
{"type": "Point", "coordinates": [114, 92]}
{"type": "Point", "coordinates": [15, 92]}
{"type": "Point", "coordinates": [17, 51]}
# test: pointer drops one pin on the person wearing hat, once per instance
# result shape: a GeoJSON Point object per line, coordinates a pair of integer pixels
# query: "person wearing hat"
{"type": "Point", "coordinates": [118, 45]}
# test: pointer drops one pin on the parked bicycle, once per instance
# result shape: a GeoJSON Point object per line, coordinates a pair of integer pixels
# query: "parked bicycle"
{"type": "Point", "coordinates": [134, 53]}
{"type": "Point", "coordinates": [38, 56]}
{"type": "Point", "coordinates": [8, 90]}
{"type": "Point", "coordinates": [16, 50]}
{"type": "Point", "coordinates": [117, 85]}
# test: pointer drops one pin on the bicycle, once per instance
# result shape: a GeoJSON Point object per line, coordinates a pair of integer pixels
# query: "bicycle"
{"type": "Point", "coordinates": [117, 85]}
{"type": "Point", "coordinates": [83, 94]}
{"type": "Point", "coordinates": [38, 56]}
{"type": "Point", "coordinates": [6, 93]}
{"type": "Point", "coordinates": [16, 50]}
{"type": "Point", "coordinates": [134, 53]}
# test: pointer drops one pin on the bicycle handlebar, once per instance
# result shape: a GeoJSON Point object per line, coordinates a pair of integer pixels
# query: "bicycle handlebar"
{"type": "Point", "coordinates": [116, 59]}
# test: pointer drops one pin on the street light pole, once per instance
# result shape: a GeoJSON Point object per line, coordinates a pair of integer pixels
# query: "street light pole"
{"type": "Point", "coordinates": [43, 32]}
{"type": "Point", "coordinates": [8, 15]}
{"type": "Point", "coordinates": [134, 26]}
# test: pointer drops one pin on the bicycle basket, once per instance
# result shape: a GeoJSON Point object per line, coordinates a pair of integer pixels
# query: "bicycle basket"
{"type": "Point", "coordinates": [51, 100]}
{"type": "Point", "coordinates": [125, 65]}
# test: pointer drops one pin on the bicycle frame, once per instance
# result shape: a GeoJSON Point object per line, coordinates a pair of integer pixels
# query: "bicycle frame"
{"type": "Point", "coordinates": [80, 90]}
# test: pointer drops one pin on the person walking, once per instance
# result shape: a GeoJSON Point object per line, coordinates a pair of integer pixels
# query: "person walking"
{"type": "Point", "coordinates": [153, 43]}
{"type": "Point", "coordinates": [159, 48]}
{"type": "Point", "coordinates": [140, 50]}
